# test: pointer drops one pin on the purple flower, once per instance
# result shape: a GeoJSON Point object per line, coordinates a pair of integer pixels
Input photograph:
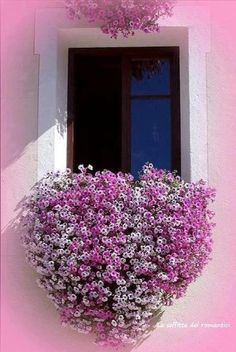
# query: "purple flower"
{"type": "Point", "coordinates": [119, 16]}
{"type": "Point", "coordinates": [110, 251]}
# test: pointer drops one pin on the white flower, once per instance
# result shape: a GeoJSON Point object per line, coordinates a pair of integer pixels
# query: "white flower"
{"type": "Point", "coordinates": [81, 167]}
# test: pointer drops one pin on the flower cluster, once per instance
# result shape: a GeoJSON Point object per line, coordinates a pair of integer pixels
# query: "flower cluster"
{"type": "Point", "coordinates": [111, 251]}
{"type": "Point", "coordinates": [121, 16]}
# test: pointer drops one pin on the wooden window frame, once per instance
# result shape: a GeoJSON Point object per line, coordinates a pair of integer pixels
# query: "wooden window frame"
{"type": "Point", "coordinates": [128, 53]}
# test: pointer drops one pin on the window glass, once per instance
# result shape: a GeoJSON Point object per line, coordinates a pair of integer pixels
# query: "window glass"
{"type": "Point", "coordinates": [150, 133]}
{"type": "Point", "coordinates": [150, 77]}
{"type": "Point", "coordinates": [98, 113]}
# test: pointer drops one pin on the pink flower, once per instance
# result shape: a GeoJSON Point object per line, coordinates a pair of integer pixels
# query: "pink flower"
{"type": "Point", "coordinates": [119, 16]}
{"type": "Point", "coordinates": [111, 250]}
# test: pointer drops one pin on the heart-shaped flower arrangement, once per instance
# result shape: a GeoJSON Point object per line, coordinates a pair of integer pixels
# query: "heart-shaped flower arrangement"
{"type": "Point", "coordinates": [112, 251]}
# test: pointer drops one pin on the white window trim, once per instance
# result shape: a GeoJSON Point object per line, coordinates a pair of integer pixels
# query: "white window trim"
{"type": "Point", "coordinates": [189, 29]}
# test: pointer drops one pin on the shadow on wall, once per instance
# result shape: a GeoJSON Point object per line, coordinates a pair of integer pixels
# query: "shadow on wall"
{"type": "Point", "coordinates": [20, 84]}
{"type": "Point", "coordinates": [27, 306]}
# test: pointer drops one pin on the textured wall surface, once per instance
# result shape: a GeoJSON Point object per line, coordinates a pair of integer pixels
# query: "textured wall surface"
{"type": "Point", "coordinates": [29, 321]}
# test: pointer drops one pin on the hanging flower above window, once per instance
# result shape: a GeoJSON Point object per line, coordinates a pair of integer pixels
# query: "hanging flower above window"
{"type": "Point", "coordinates": [121, 16]}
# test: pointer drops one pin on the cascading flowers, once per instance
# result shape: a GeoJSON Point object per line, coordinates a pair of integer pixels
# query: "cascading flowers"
{"type": "Point", "coordinates": [121, 16]}
{"type": "Point", "coordinates": [112, 251]}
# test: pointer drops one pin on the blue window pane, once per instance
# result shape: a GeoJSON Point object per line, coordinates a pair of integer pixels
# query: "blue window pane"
{"type": "Point", "coordinates": [150, 77]}
{"type": "Point", "coordinates": [150, 133]}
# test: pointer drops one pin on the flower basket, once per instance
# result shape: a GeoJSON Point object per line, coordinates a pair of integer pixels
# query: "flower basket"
{"type": "Point", "coordinates": [111, 251]}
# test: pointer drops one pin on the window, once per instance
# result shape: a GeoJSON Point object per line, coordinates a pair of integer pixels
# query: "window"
{"type": "Point", "coordinates": [124, 108]}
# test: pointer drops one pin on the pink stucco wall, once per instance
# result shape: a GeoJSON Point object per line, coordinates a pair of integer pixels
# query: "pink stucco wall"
{"type": "Point", "coordinates": [29, 321]}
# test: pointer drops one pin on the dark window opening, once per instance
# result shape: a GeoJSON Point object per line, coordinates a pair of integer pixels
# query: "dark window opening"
{"type": "Point", "coordinates": [124, 108]}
